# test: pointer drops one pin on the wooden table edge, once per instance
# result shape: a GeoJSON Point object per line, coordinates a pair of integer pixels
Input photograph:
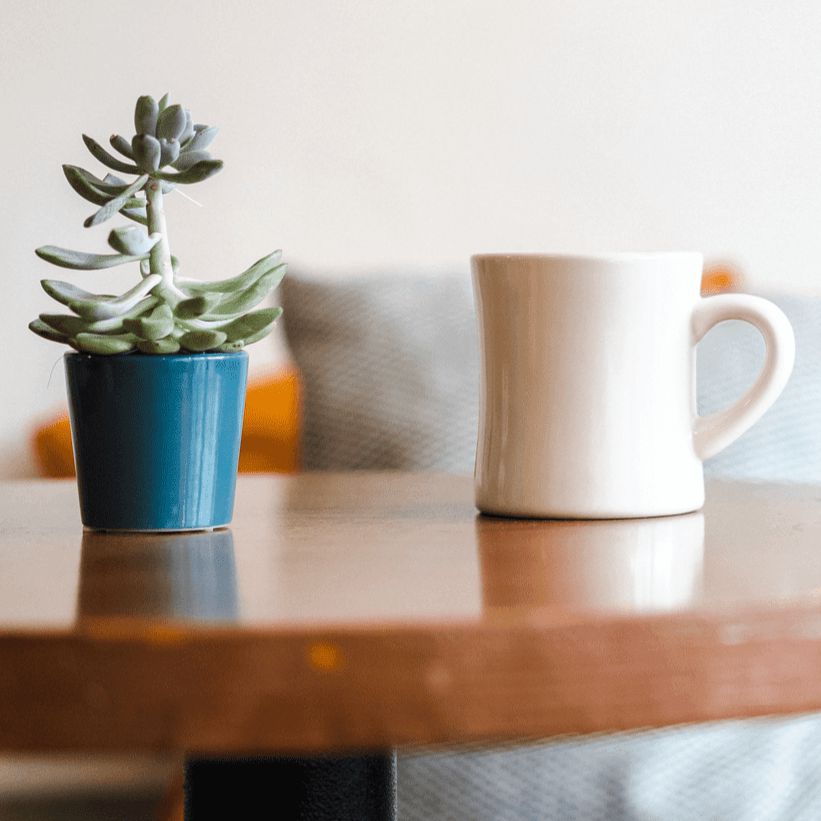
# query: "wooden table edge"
{"type": "Point", "coordinates": [116, 684]}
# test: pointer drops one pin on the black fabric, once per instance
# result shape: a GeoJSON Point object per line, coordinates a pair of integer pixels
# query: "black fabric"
{"type": "Point", "coordinates": [323, 788]}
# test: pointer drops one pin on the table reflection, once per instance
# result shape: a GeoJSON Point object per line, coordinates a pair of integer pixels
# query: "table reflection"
{"type": "Point", "coordinates": [625, 565]}
{"type": "Point", "coordinates": [189, 576]}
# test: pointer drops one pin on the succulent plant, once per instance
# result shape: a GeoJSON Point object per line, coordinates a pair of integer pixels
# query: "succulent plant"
{"type": "Point", "coordinates": [164, 313]}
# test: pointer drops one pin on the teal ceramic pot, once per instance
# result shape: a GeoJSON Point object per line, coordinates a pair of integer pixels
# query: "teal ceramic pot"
{"type": "Point", "coordinates": [156, 438]}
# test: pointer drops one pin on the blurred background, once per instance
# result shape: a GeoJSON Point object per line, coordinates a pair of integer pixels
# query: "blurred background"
{"type": "Point", "coordinates": [408, 135]}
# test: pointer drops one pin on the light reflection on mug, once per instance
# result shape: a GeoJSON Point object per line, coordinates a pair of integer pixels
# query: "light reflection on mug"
{"type": "Point", "coordinates": [620, 564]}
{"type": "Point", "coordinates": [158, 575]}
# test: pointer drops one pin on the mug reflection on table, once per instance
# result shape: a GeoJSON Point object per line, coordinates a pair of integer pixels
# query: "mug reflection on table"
{"type": "Point", "coordinates": [619, 564]}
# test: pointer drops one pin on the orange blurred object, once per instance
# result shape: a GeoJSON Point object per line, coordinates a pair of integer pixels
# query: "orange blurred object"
{"type": "Point", "coordinates": [270, 432]}
{"type": "Point", "coordinates": [719, 278]}
{"type": "Point", "coordinates": [272, 424]}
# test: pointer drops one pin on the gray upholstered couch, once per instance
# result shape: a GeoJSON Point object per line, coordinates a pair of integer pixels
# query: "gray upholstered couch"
{"type": "Point", "coordinates": [391, 370]}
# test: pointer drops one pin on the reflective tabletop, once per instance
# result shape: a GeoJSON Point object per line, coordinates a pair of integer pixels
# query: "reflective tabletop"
{"type": "Point", "coordinates": [351, 610]}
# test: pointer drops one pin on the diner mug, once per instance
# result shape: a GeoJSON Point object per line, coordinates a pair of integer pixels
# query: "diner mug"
{"type": "Point", "coordinates": [588, 392]}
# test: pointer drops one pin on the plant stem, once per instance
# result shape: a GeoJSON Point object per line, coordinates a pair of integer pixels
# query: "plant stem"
{"type": "Point", "coordinates": [160, 255]}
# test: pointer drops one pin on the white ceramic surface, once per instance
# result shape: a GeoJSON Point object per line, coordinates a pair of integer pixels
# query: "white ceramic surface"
{"type": "Point", "coordinates": [588, 404]}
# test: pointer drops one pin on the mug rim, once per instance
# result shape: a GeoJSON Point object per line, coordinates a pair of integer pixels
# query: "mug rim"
{"type": "Point", "coordinates": [613, 256]}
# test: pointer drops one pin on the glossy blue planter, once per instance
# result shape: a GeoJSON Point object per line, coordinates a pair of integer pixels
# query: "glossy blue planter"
{"type": "Point", "coordinates": [156, 438]}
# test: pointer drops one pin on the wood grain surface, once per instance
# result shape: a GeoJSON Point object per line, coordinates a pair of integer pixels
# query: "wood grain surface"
{"type": "Point", "coordinates": [357, 611]}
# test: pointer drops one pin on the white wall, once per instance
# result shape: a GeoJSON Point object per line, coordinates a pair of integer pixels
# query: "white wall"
{"type": "Point", "coordinates": [416, 133]}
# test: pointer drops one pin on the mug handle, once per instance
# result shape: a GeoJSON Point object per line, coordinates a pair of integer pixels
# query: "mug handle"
{"type": "Point", "coordinates": [712, 433]}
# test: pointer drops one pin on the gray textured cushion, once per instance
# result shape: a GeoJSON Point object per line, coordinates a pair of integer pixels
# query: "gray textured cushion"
{"type": "Point", "coordinates": [391, 371]}
{"type": "Point", "coordinates": [390, 368]}
{"type": "Point", "coordinates": [754, 770]}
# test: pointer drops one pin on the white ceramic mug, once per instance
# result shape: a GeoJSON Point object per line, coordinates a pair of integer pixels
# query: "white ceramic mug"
{"type": "Point", "coordinates": [588, 400]}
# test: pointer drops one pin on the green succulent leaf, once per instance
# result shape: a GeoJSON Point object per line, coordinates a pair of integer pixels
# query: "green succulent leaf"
{"type": "Point", "coordinates": [95, 190]}
{"type": "Point", "coordinates": [239, 344]}
{"type": "Point", "coordinates": [158, 346]}
{"type": "Point", "coordinates": [188, 131]}
{"type": "Point", "coordinates": [199, 341]}
{"type": "Point", "coordinates": [101, 308]}
{"type": "Point", "coordinates": [202, 138]}
{"type": "Point", "coordinates": [101, 344]}
{"type": "Point", "coordinates": [163, 104]}
{"type": "Point", "coordinates": [108, 184]}
{"type": "Point", "coordinates": [142, 307]}
{"type": "Point", "coordinates": [66, 324]}
{"type": "Point", "coordinates": [190, 158]}
{"type": "Point", "coordinates": [146, 152]}
{"type": "Point", "coordinates": [244, 280]}
{"type": "Point", "coordinates": [145, 115]}
{"type": "Point", "coordinates": [136, 215]}
{"type": "Point", "coordinates": [78, 179]}
{"type": "Point", "coordinates": [71, 325]}
{"type": "Point", "coordinates": [197, 173]}
{"type": "Point", "coordinates": [122, 145]}
{"type": "Point", "coordinates": [240, 302]}
{"type": "Point", "coordinates": [171, 123]}
{"type": "Point", "coordinates": [64, 292]}
{"type": "Point", "coordinates": [114, 206]}
{"type": "Point", "coordinates": [99, 153]}
{"type": "Point", "coordinates": [79, 261]}
{"type": "Point", "coordinates": [156, 325]}
{"type": "Point", "coordinates": [196, 306]}
{"type": "Point", "coordinates": [169, 151]}
{"type": "Point", "coordinates": [250, 324]}
{"type": "Point", "coordinates": [47, 332]}
{"type": "Point", "coordinates": [260, 334]}
{"type": "Point", "coordinates": [132, 240]}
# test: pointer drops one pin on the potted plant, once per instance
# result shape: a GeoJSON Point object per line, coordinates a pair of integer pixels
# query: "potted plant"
{"type": "Point", "coordinates": [156, 384]}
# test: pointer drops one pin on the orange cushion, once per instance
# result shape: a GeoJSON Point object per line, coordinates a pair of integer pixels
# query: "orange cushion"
{"type": "Point", "coordinates": [272, 424]}
{"type": "Point", "coordinates": [270, 433]}
{"type": "Point", "coordinates": [719, 278]}
{"type": "Point", "coordinates": [52, 448]}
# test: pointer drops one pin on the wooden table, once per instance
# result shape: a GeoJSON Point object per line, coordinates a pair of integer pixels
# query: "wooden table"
{"type": "Point", "coordinates": [358, 612]}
